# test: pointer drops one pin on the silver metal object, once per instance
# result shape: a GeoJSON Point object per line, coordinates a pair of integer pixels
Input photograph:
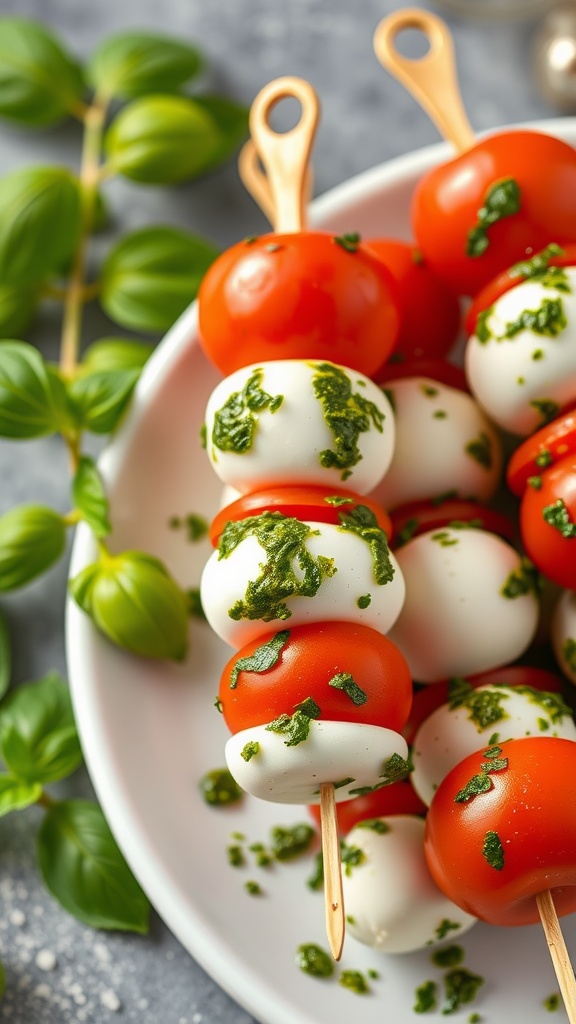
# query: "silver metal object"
{"type": "Point", "coordinates": [555, 55]}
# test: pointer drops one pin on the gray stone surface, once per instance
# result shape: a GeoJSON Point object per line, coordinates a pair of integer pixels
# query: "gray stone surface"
{"type": "Point", "coordinates": [57, 970]}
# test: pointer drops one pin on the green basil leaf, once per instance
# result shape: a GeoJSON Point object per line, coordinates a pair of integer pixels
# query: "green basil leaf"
{"type": "Point", "coordinates": [232, 121]}
{"type": "Point", "coordinates": [16, 794]}
{"type": "Point", "coordinates": [38, 736]}
{"type": "Point", "coordinates": [39, 223]}
{"type": "Point", "coordinates": [116, 354]}
{"type": "Point", "coordinates": [134, 601]}
{"type": "Point", "coordinates": [99, 399]}
{"type": "Point", "coordinates": [162, 140]}
{"type": "Point", "coordinates": [84, 870]}
{"type": "Point", "coordinates": [33, 400]}
{"type": "Point", "coordinates": [135, 63]}
{"type": "Point", "coordinates": [89, 497]}
{"type": "Point", "coordinates": [40, 83]}
{"type": "Point", "coordinates": [32, 538]}
{"type": "Point", "coordinates": [152, 275]}
{"type": "Point", "coordinates": [5, 656]}
{"type": "Point", "coordinates": [17, 308]}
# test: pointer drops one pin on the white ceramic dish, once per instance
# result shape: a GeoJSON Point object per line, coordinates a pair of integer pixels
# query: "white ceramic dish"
{"type": "Point", "coordinates": [149, 730]}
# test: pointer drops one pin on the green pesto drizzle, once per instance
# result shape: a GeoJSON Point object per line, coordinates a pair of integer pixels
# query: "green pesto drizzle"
{"type": "Point", "coordinates": [428, 390]}
{"type": "Point", "coordinates": [445, 496]}
{"type": "Point", "coordinates": [551, 1002]}
{"type": "Point", "coordinates": [236, 422]}
{"type": "Point", "coordinates": [349, 242]}
{"type": "Point", "coordinates": [261, 856]}
{"type": "Point", "coordinates": [394, 769]}
{"type": "Point", "coordinates": [407, 531]}
{"type": "Point", "coordinates": [493, 851]}
{"type": "Point", "coordinates": [196, 525]}
{"type": "Point", "coordinates": [443, 538]}
{"type": "Point", "coordinates": [547, 408]}
{"type": "Point", "coordinates": [552, 704]}
{"type": "Point", "coordinates": [346, 414]}
{"type": "Point", "coordinates": [445, 927]}
{"type": "Point", "coordinates": [338, 499]}
{"type": "Point", "coordinates": [450, 956]}
{"type": "Point", "coordinates": [194, 603]}
{"type": "Point", "coordinates": [354, 981]}
{"type": "Point", "coordinates": [364, 601]}
{"type": "Point", "coordinates": [373, 974]}
{"type": "Point", "coordinates": [524, 580]}
{"type": "Point", "coordinates": [236, 857]}
{"type": "Point", "coordinates": [538, 268]}
{"type": "Point", "coordinates": [297, 726]}
{"type": "Point", "coordinates": [558, 516]}
{"type": "Point", "coordinates": [342, 782]}
{"type": "Point", "coordinates": [548, 320]}
{"type": "Point", "coordinates": [388, 392]}
{"type": "Point", "coordinates": [544, 458]}
{"type": "Point", "coordinates": [538, 354]}
{"type": "Point", "coordinates": [461, 987]}
{"type": "Point", "coordinates": [262, 659]}
{"type": "Point", "coordinates": [253, 888]}
{"type": "Point", "coordinates": [501, 200]}
{"type": "Point", "coordinates": [535, 482]}
{"type": "Point", "coordinates": [481, 450]}
{"type": "Point", "coordinates": [284, 541]}
{"type": "Point", "coordinates": [481, 783]}
{"type": "Point", "coordinates": [426, 996]}
{"type": "Point", "coordinates": [474, 1018]}
{"type": "Point", "coordinates": [344, 681]}
{"type": "Point", "coordinates": [374, 825]}
{"type": "Point", "coordinates": [440, 414]}
{"type": "Point", "coordinates": [362, 521]}
{"type": "Point", "coordinates": [218, 705]}
{"type": "Point", "coordinates": [219, 789]}
{"type": "Point", "coordinates": [312, 959]}
{"type": "Point", "coordinates": [289, 843]}
{"type": "Point", "coordinates": [316, 880]}
{"type": "Point", "coordinates": [351, 857]}
{"type": "Point", "coordinates": [250, 750]}
{"type": "Point", "coordinates": [482, 330]}
{"type": "Point", "coordinates": [569, 653]}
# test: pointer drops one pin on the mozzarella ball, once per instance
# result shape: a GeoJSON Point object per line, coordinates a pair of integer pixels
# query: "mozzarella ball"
{"type": "Point", "coordinates": [563, 633]}
{"type": "Point", "coordinates": [469, 605]}
{"type": "Point", "coordinates": [338, 572]}
{"type": "Point", "coordinates": [521, 363]}
{"type": "Point", "coordinates": [482, 717]}
{"type": "Point", "coordinates": [349, 755]}
{"type": "Point", "coordinates": [391, 900]}
{"type": "Point", "coordinates": [444, 443]}
{"type": "Point", "coordinates": [296, 421]}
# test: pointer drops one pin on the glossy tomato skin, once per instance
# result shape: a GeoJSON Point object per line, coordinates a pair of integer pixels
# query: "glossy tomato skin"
{"type": "Point", "coordinates": [429, 309]}
{"type": "Point", "coordinates": [397, 798]}
{"type": "Point", "coordinates": [548, 522]}
{"type": "Point", "coordinates": [541, 450]}
{"type": "Point", "coordinates": [310, 658]}
{"type": "Point", "coordinates": [530, 810]}
{"type": "Point", "coordinates": [416, 517]}
{"type": "Point", "coordinates": [298, 296]}
{"type": "Point", "coordinates": [447, 200]}
{"type": "Point", "coordinates": [313, 504]}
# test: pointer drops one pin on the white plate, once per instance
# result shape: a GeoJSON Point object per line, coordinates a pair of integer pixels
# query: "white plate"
{"type": "Point", "coordinates": [149, 730]}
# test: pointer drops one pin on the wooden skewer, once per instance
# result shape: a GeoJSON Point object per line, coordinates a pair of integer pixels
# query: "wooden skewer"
{"type": "Point", "coordinates": [431, 79]}
{"type": "Point", "coordinates": [558, 952]}
{"type": "Point", "coordinates": [282, 191]}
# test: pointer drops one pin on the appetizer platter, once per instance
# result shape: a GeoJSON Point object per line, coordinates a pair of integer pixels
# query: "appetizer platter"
{"type": "Point", "coordinates": [402, 565]}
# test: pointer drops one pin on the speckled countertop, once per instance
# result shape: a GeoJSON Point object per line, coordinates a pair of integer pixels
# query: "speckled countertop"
{"type": "Point", "coordinates": [58, 971]}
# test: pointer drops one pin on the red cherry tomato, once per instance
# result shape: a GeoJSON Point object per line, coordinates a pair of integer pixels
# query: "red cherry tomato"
{"type": "Point", "coordinates": [298, 296]}
{"type": "Point", "coordinates": [548, 522]}
{"type": "Point", "coordinates": [493, 853]}
{"type": "Point", "coordinates": [397, 798]}
{"type": "Point", "coordinates": [447, 200]}
{"type": "Point", "coordinates": [427, 699]}
{"type": "Point", "coordinates": [429, 310]}
{"type": "Point", "coordinates": [540, 450]}
{"type": "Point", "coordinates": [418, 517]}
{"type": "Point", "coordinates": [434, 369]}
{"type": "Point", "coordinates": [310, 504]}
{"type": "Point", "coordinates": [312, 662]}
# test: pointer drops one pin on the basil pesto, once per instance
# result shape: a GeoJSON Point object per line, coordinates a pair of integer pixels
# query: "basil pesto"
{"type": "Point", "coordinates": [558, 516]}
{"type": "Point", "coordinates": [569, 653]}
{"type": "Point", "coordinates": [250, 750]}
{"type": "Point", "coordinates": [501, 200]}
{"type": "Point", "coordinates": [480, 449]}
{"type": "Point", "coordinates": [289, 843]}
{"type": "Point", "coordinates": [344, 681]}
{"type": "Point", "coordinates": [493, 851]}
{"type": "Point", "coordinates": [262, 659]}
{"type": "Point", "coordinates": [548, 320]}
{"type": "Point", "coordinates": [538, 268]}
{"type": "Point", "coordinates": [219, 789]}
{"type": "Point", "coordinates": [426, 996]}
{"type": "Point", "coordinates": [394, 769]}
{"type": "Point", "coordinates": [347, 414]}
{"type": "Point", "coordinates": [354, 981]}
{"type": "Point", "coordinates": [312, 959]}
{"type": "Point", "coordinates": [547, 408]}
{"type": "Point", "coordinates": [524, 580]}
{"type": "Point", "coordinates": [236, 422]}
{"type": "Point", "coordinates": [297, 726]}
{"type": "Point", "coordinates": [460, 987]}
{"type": "Point", "coordinates": [362, 521]}
{"type": "Point", "coordinates": [481, 783]}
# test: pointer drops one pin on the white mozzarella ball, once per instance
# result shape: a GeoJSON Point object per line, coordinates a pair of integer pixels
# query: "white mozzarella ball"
{"type": "Point", "coordinates": [488, 715]}
{"type": "Point", "coordinates": [520, 380]}
{"type": "Point", "coordinates": [268, 424]}
{"type": "Point", "coordinates": [444, 443]}
{"type": "Point", "coordinates": [563, 633]}
{"type": "Point", "coordinates": [391, 901]}
{"type": "Point", "coordinates": [350, 755]}
{"type": "Point", "coordinates": [348, 590]}
{"type": "Point", "coordinates": [456, 619]}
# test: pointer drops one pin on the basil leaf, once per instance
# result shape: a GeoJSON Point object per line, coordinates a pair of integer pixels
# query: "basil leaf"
{"type": "Point", "coordinates": [116, 354]}
{"type": "Point", "coordinates": [32, 538]}
{"type": "Point", "coordinates": [89, 497]}
{"type": "Point", "coordinates": [33, 400]}
{"type": "Point", "coordinates": [38, 735]}
{"type": "Point", "coordinates": [132, 64]}
{"type": "Point", "coordinates": [152, 275]}
{"type": "Point", "coordinates": [99, 399]}
{"type": "Point", "coordinates": [135, 602]}
{"type": "Point", "coordinates": [17, 308]}
{"type": "Point", "coordinates": [84, 870]}
{"type": "Point", "coordinates": [39, 82]}
{"type": "Point", "coordinates": [16, 794]}
{"type": "Point", "coordinates": [5, 656]}
{"type": "Point", "coordinates": [162, 140]}
{"type": "Point", "coordinates": [39, 223]}
{"type": "Point", "coordinates": [232, 121]}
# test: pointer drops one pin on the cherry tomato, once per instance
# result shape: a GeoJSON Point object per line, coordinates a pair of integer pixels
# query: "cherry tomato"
{"type": "Point", "coordinates": [310, 504]}
{"type": "Point", "coordinates": [307, 295]}
{"type": "Point", "coordinates": [429, 310]}
{"type": "Point", "coordinates": [397, 798]}
{"type": "Point", "coordinates": [540, 450]}
{"type": "Point", "coordinates": [317, 661]}
{"type": "Point", "coordinates": [427, 699]}
{"type": "Point", "coordinates": [434, 369]}
{"type": "Point", "coordinates": [448, 199]}
{"type": "Point", "coordinates": [418, 517]}
{"type": "Point", "coordinates": [493, 852]}
{"type": "Point", "coordinates": [548, 522]}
